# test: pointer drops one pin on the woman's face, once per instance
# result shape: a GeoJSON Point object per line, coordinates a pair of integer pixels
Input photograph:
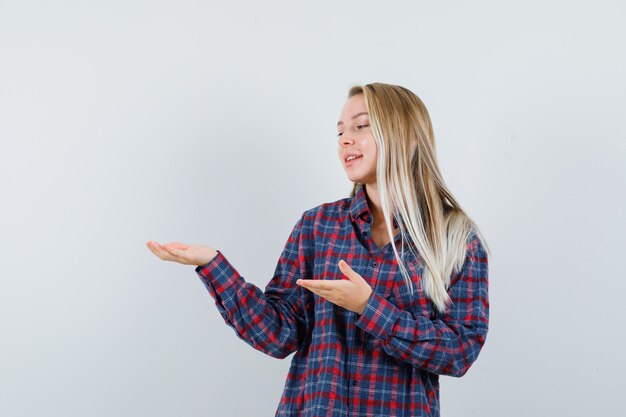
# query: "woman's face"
{"type": "Point", "coordinates": [355, 138]}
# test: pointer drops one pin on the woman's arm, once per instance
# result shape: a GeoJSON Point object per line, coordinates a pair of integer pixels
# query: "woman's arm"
{"type": "Point", "coordinates": [446, 346]}
{"type": "Point", "coordinates": [273, 321]}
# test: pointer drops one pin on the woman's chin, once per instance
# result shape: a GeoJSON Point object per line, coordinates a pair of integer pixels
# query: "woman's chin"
{"type": "Point", "coordinates": [358, 179]}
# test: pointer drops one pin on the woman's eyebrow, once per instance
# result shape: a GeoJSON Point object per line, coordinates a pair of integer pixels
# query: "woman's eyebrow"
{"type": "Point", "coordinates": [353, 117]}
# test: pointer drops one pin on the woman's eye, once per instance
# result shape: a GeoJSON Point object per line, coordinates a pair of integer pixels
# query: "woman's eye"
{"type": "Point", "coordinates": [358, 127]}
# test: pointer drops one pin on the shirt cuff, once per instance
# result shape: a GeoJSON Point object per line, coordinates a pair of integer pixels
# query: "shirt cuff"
{"type": "Point", "coordinates": [218, 273]}
{"type": "Point", "coordinates": [379, 316]}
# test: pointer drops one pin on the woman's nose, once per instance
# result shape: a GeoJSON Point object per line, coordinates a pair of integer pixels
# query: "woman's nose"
{"type": "Point", "coordinates": [345, 139]}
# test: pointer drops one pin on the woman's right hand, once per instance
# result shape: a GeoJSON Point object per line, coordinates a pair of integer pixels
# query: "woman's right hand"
{"type": "Point", "coordinates": [184, 254]}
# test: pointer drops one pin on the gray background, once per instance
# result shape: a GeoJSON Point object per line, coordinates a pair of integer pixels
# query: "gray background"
{"type": "Point", "coordinates": [214, 123]}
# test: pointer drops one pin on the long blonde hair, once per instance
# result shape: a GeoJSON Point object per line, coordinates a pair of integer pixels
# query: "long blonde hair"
{"type": "Point", "coordinates": [412, 189]}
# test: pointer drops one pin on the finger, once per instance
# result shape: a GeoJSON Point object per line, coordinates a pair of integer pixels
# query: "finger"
{"type": "Point", "coordinates": [313, 284]}
{"type": "Point", "coordinates": [324, 284]}
{"type": "Point", "coordinates": [347, 271]}
{"type": "Point", "coordinates": [344, 267]}
{"type": "Point", "coordinates": [176, 255]}
{"type": "Point", "coordinates": [174, 251]}
{"type": "Point", "coordinates": [178, 245]}
{"type": "Point", "coordinates": [322, 293]}
{"type": "Point", "coordinates": [155, 248]}
{"type": "Point", "coordinates": [160, 251]}
{"type": "Point", "coordinates": [325, 293]}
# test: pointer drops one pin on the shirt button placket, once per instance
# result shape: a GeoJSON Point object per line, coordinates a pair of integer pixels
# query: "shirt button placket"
{"type": "Point", "coordinates": [353, 396]}
{"type": "Point", "coordinates": [374, 265]}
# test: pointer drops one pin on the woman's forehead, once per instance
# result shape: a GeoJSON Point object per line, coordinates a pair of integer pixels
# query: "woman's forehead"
{"type": "Point", "coordinates": [353, 108]}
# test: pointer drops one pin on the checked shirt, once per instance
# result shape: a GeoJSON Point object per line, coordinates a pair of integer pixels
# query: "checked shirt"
{"type": "Point", "coordinates": [385, 362]}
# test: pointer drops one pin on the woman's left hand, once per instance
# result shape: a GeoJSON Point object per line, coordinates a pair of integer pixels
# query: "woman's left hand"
{"type": "Point", "coordinates": [352, 293]}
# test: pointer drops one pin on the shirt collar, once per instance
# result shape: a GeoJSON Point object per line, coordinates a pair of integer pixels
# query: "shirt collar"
{"type": "Point", "coordinates": [359, 207]}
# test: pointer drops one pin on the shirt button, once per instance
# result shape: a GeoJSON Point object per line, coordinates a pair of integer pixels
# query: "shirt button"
{"type": "Point", "coordinates": [353, 382]}
{"type": "Point", "coordinates": [374, 264]}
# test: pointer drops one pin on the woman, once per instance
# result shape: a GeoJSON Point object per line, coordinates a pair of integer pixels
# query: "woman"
{"type": "Point", "coordinates": [373, 324]}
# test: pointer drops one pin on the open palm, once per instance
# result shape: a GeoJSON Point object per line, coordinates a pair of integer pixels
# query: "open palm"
{"type": "Point", "coordinates": [183, 253]}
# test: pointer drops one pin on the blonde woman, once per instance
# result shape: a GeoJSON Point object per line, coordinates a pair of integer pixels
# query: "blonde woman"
{"type": "Point", "coordinates": [377, 294]}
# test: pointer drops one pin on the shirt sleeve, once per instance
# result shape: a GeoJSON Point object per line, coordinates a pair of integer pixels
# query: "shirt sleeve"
{"type": "Point", "coordinates": [271, 321]}
{"type": "Point", "coordinates": [449, 344]}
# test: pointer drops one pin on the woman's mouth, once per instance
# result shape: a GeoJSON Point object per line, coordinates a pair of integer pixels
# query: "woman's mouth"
{"type": "Point", "coordinates": [352, 160]}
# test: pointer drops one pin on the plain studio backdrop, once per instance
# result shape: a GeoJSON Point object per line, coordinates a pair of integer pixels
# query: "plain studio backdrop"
{"type": "Point", "coordinates": [214, 123]}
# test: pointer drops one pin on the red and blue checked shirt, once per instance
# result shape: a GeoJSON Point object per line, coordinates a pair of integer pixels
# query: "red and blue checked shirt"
{"type": "Point", "coordinates": [385, 362]}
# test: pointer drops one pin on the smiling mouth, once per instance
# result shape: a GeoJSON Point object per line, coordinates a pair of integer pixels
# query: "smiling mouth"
{"type": "Point", "coordinates": [352, 161]}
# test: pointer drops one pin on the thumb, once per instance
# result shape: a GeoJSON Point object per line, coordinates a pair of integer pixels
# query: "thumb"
{"type": "Point", "coordinates": [347, 271]}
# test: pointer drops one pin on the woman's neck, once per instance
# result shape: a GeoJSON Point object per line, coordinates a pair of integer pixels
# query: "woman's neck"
{"type": "Point", "coordinates": [378, 224]}
{"type": "Point", "coordinates": [373, 201]}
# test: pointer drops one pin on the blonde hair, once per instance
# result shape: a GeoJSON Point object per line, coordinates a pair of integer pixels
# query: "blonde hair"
{"type": "Point", "coordinates": [412, 189]}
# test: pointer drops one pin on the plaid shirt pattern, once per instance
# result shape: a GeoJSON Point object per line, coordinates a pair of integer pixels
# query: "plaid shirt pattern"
{"type": "Point", "coordinates": [385, 362]}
